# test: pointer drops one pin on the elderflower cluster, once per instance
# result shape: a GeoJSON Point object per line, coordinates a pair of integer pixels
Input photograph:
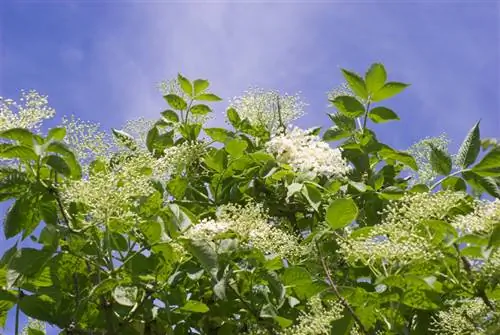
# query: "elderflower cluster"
{"type": "Point", "coordinates": [29, 113]}
{"type": "Point", "coordinates": [109, 195]}
{"type": "Point", "coordinates": [86, 139]}
{"type": "Point", "coordinates": [317, 320]}
{"type": "Point", "coordinates": [483, 219]}
{"type": "Point", "coordinates": [307, 154]}
{"type": "Point", "coordinates": [252, 225]}
{"type": "Point", "coordinates": [138, 129]}
{"type": "Point", "coordinates": [401, 238]}
{"type": "Point", "coordinates": [268, 108]}
{"type": "Point", "coordinates": [421, 151]}
{"type": "Point", "coordinates": [341, 90]}
{"type": "Point", "coordinates": [469, 317]}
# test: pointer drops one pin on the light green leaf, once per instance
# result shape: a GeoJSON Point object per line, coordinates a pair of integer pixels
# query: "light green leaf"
{"type": "Point", "coordinates": [170, 115]}
{"type": "Point", "coordinates": [403, 157]}
{"type": "Point", "coordinates": [283, 322]}
{"type": "Point", "coordinates": [233, 117]}
{"type": "Point", "coordinates": [20, 152]}
{"type": "Point", "coordinates": [200, 85]}
{"type": "Point", "coordinates": [200, 109]}
{"type": "Point", "coordinates": [349, 106]}
{"type": "Point", "coordinates": [236, 147]}
{"type": "Point", "coordinates": [356, 84]}
{"type": "Point", "coordinates": [335, 134]}
{"type": "Point", "coordinates": [470, 148]}
{"type": "Point", "coordinates": [382, 114]}
{"type": "Point", "coordinates": [205, 254]}
{"type": "Point", "coordinates": [375, 78]}
{"type": "Point", "coordinates": [313, 195]}
{"type": "Point", "coordinates": [388, 90]}
{"type": "Point", "coordinates": [22, 135]}
{"type": "Point", "coordinates": [56, 134]}
{"type": "Point", "coordinates": [195, 307]}
{"type": "Point", "coordinates": [175, 101]}
{"type": "Point", "coordinates": [207, 97]}
{"type": "Point", "coordinates": [440, 160]}
{"type": "Point", "coordinates": [124, 139]}
{"type": "Point", "coordinates": [341, 213]}
{"type": "Point", "coordinates": [489, 165]}
{"type": "Point", "coordinates": [125, 295]}
{"type": "Point", "coordinates": [185, 85]}
{"type": "Point", "coordinates": [216, 160]}
{"type": "Point", "coordinates": [218, 134]}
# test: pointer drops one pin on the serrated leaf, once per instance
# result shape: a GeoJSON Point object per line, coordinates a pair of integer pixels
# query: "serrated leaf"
{"type": "Point", "coordinates": [440, 160]}
{"type": "Point", "coordinates": [356, 84]}
{"type": "Point", "coordinates": [207, 97]}
{"type": "Point", "coordinates": [349, 106]}
{"type": "Point", "coordinates": [343, 122]}
{"type": "Point", "coordinates": [200, 85]}
{"type": "Point", "coordinates": [375, 78]}
{"type": "Point", "coordinates": [403, 157]}
{"type": "Point", "coordinates": [388, 91]}
{"type": "Point", "coordinates": [341, 212]}
{"type": "Point", "coordinates": [175, 101]}
{"type": "Point", "coordinates": [382, 114]}
{"type": "Point", "coordinates": [335, 134]}
{"type": "Point", "coordinates": [470, 147]}
{"type": "Point", "coordinates": [200, 109]}
{"type": "Point", "coordinates": [185, 84]}
{"type": "Point", "coordinates": [489, 165]}
{"type": "Point", "coordinates": [195, 307]}
{"type": "Point", "coordinates": [482, 184]}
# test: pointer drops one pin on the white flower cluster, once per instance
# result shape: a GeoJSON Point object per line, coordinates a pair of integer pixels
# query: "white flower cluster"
{"type": "Point", "coordinates": [32, 110]}
{"type": "Point", "coordinates": [401, 238]}
{"type": "Point", "coordinates": [268, 108]}
{"type": "Point", "coordinates": [469, 317]}
{"type": "Point", "coordinates": [307, 154]}
{"type": "Point", "coordinates": [317, 320]}
{"type": "Point", "coordinates": [483, 220]}
{"type": "Point", "coordinates": [252, 225]}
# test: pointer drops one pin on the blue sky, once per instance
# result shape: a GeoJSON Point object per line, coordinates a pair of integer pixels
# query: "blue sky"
{"type": "Point", "coordinates": [101, 60]}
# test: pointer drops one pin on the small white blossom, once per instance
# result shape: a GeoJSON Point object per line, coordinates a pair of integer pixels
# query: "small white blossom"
{"type": "Point", "coordinates": [268, 108]}
{"type": "Point", "coordinates": [32, 110]}
{"type": "Point", "coordinates": [307, 154]}
{"type": "Point", "coordinates": [485, 217]}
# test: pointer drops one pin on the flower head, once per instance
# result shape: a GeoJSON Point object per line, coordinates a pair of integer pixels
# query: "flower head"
{"type": "Point", "coordinates": [307, 154]}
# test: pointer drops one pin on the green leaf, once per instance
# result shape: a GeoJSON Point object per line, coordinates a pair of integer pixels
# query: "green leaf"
{"type": "Point", "coordinates": [388, 90]}
{"type": "Point", "coordinates": [175, 101]}
{"type": "Point", "coordinates": [125, 295]}
{"type": "Point", "coordinates": [124, 139]}
{"type": "Point", "coordinates": [156, 142]}
{"type": "Point", "coordinates": [335, 134]}
{"type": "Point", "coordinates": [341, 213]}
{"type": "Point", "coordinates": [489, 165]}
{"type": "Point", "coordinates": [375, 78]}
{"type": "Point", "coordinates": [454, 184]}
{"type": "Point", "coordinates": [34, 331]}
{"type": "Point", "coordinates": [170, 115]}
{"type": "Point", "coordinates": [58, 164]}
{"type": "Point", "coordinates": [200, 85]}
{"type": "Point", "coordinates": [207, 97]}
{"type": "Point", "coordinates": [343, 122]}
{"type": "Point", "coordinates": [218, 134]}
{"type": "Point", "coordinates": [470, 148]}
{"type": "Point", "coordinates": [56, 134]}
{"type": "Point", "coordinates": [40, 307]}
{"type": "Point", "coordinates": [283, 322]}
{"type": "Point", "coordinates": [356, 84]}
{"type": "Point", "coordinates": [482, 184]}
{"type": "Point", "coordinates": [233, 117]}
{"type": "Point", "coordinates": [29, 261]}
{"type": "Point", "coordinates": [313, 195]}
{"type": "Point", "coordinates": [7, 301]}
{"type": "Point", "coordinates": [236, 147]}
{"type": "Point", "coordinates": [22, 135]}
{"type": "Point", "coordinates": [440, 160]}
{"type": "Point", "coordinates": [403, 157]}
{"type": "Point", "coordinates": [69, 157]}
{"type": "Point", "coordinates": [296, 276]}
{"type": "Point", "coordinates": [349, 106]}
{"type": "Point", "coordinates": [195, 307]}
{"type": "Point", "coordinates": [21, 216]}
{"type": "Point", "coordinates": [200, 109]}
{"type": "Point", "coordinates": [494, 240]}
{"type": "Point", "coordinates": [177, 187]}
{"type": "Point", "coordinates": [185, 85]}
{"type": "Point", "coordinates": [205, 254]}
{"type": "Point", "coordinates": [20, 152]}
{"type": "Point", "coordinates": [382, 114]}
{"type": "Point", "coordinates": [216, 160]}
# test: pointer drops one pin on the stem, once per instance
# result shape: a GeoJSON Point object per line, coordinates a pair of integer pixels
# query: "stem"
{"type": "Point", "coordinates": [339, 296]}
{"type": "Point", "coordinates": [17, 311]}
{"type": "Point", "coordinates": [365, 118]}
{"type": "Point", "coordinates": [436, 184]}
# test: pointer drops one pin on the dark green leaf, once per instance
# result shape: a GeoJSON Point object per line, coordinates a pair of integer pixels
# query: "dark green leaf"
{"type": "Point", "coordinates": [29, 261]}
{"type": "Point", "coordinates": [470, 147]}
{"type": "Point", "coordinates": [200, 109]}
{"type": "Point", "coordinates": [375, 78]}
{"type": "Point", "coordinates": [313, 195]}
{"type": "Point", "coordinates": [454, 184]}
{"type": "Point", "coordinates": [170, 115]}
{"type": "Point", "coordinates": [382, 114]}
{"type": "Point", "coordinates": [440, 160]}
{"type": "Point", "coordinates": [335, 134]}
{"type": "Point", "coordinates": [40, 307]}
{"type": "Point", "coordinates": [69, 157]}
{"type": "Point", "coordinates": [495, 237]}
{"type": "Point", "coordinates": [21, 216]}
{"type": "Point", "coordinates": [58, 164]}
{"type": "Point", "coordinates": [349, 106]}
{"type": "Point", "coordinates": [343, 122]}
{"type": "Point", "coordinates": [205, 254]}
{"type": "Point", "coordinates": [341, 213]}
{"type": "Point", "coordinates": [482, 184]}
{"type": "Point", "coordinates": [185, 85]}
{"type": "Point", "coordinates": [388, 90]}
{"type": "Point", "coordinates": [403, 157]}
{"type": "Point", "coordinates": [489, 165]}
{"type": "Point", "coordinates": [207, 97]}
{"type": "Point", "coordinates": [356, 84]}
{"type": "Point", "coordinates": [175, 101]}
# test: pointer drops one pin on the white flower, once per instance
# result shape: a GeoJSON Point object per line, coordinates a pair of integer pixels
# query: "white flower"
{"type": "Point", "coordinates": [484, 218]}
{"type": "Point", "coordinates": [307, 154]}
{"type": "Point", "coordinates": [268, 108]}
{"type": "Point", "coordinates": [32, 110]}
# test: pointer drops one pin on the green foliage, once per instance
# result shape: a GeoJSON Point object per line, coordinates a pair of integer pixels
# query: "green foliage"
{"type": "Point", "coordinates": [247, 231]}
